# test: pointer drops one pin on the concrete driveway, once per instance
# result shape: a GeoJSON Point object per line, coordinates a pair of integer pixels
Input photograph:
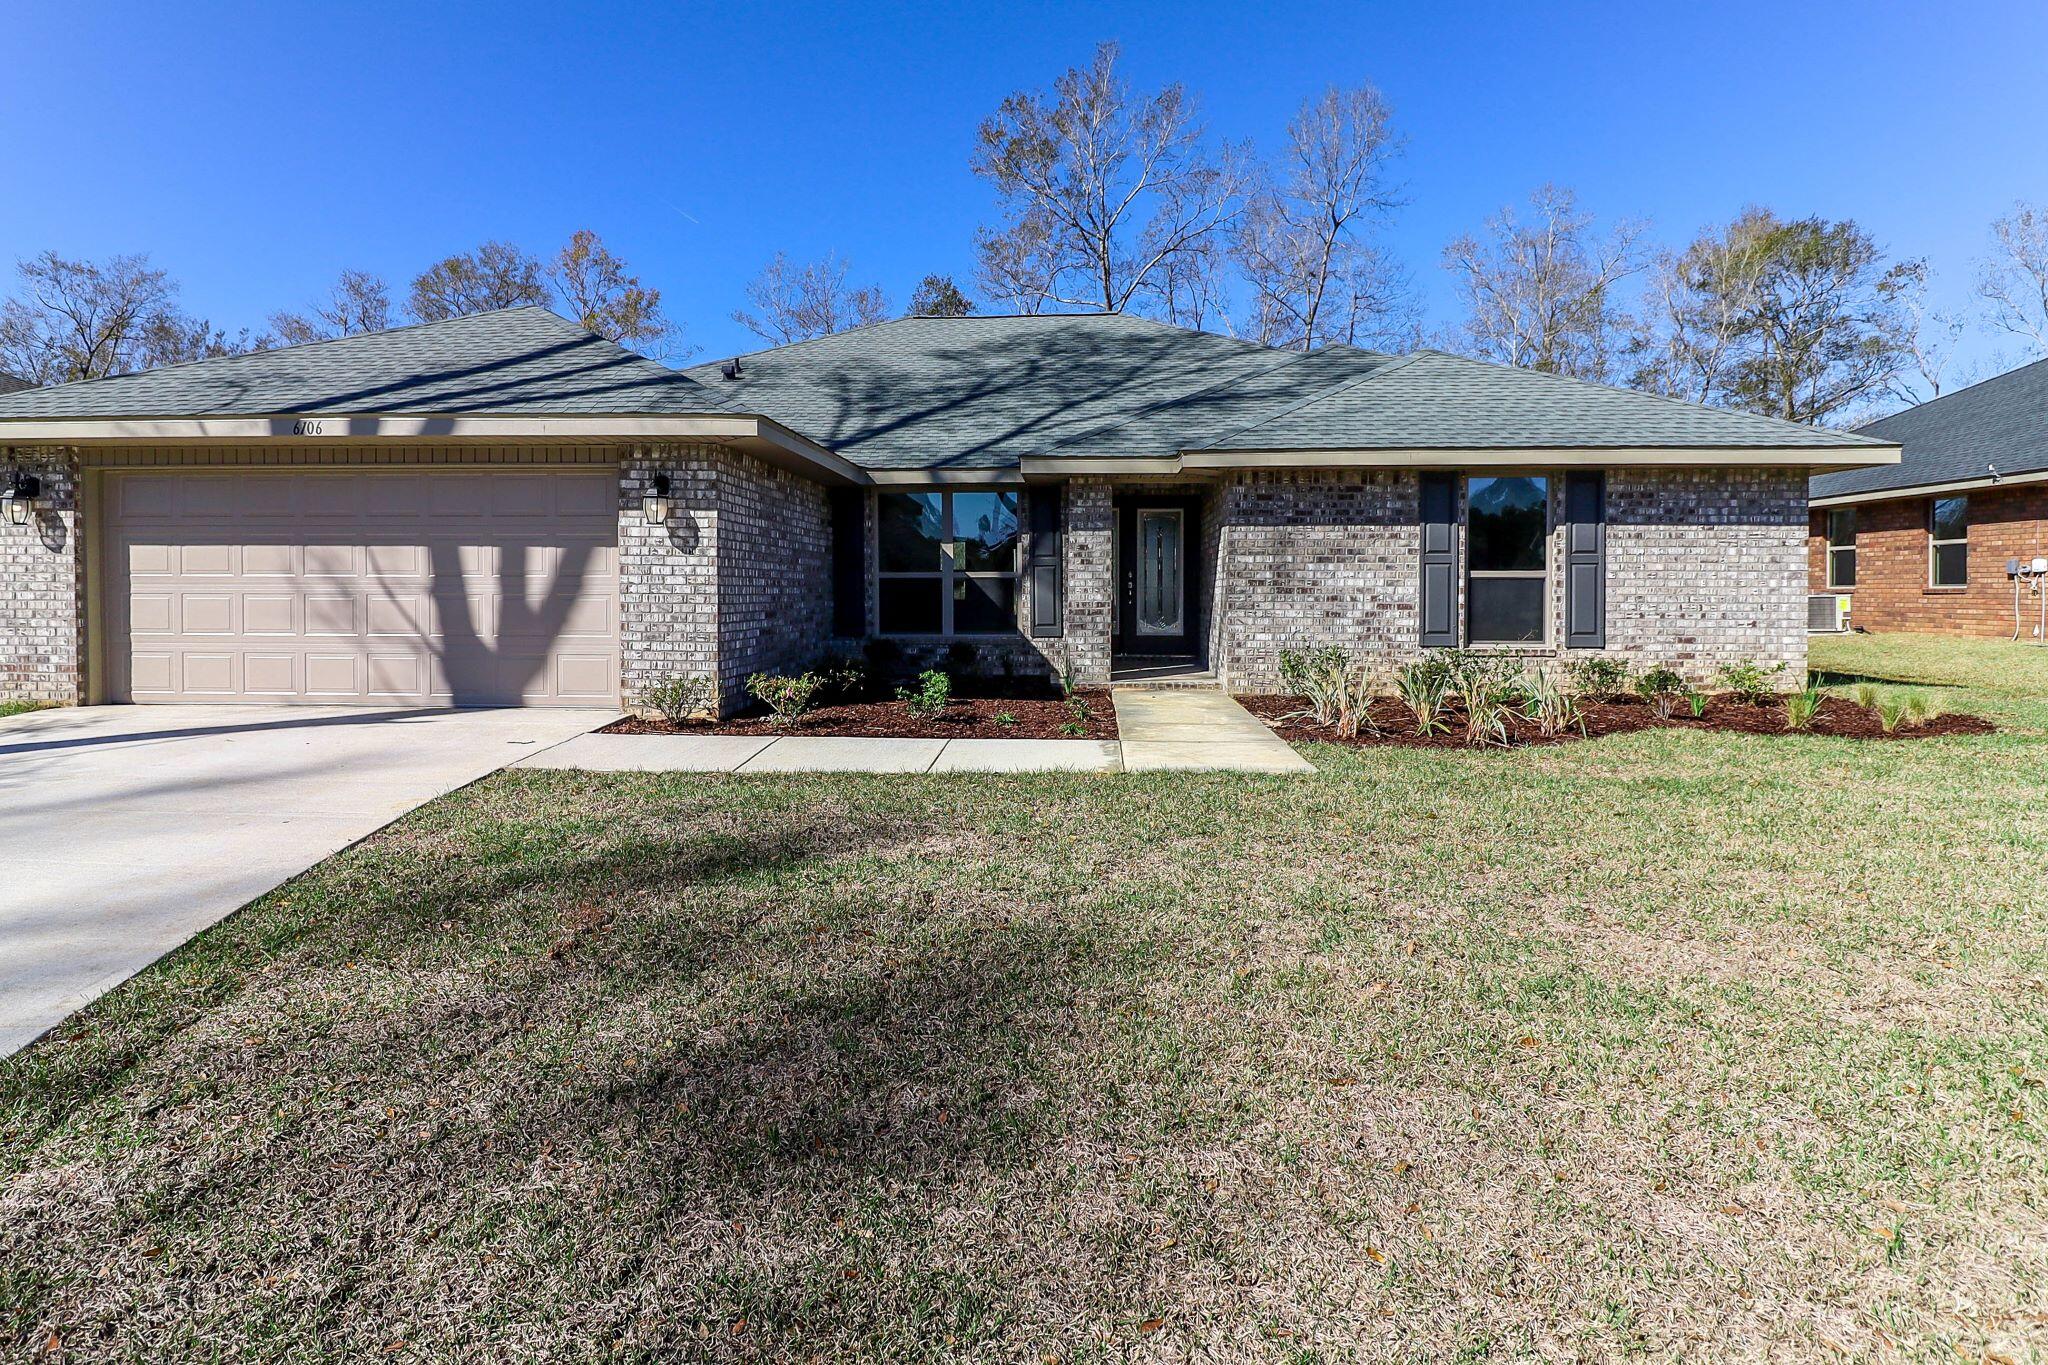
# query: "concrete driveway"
{"type": "Point", "coordinates": [125, 830]}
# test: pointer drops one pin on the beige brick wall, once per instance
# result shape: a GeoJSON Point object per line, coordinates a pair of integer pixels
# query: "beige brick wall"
{"type": "Point", "coordinates": [42, 587]}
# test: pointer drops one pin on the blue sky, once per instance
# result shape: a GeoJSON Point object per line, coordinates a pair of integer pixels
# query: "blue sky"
{"type": "Point", "coordinates": [257, 149]}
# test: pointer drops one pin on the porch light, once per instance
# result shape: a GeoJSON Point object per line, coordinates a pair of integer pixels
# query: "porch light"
{"type": "Point", "coordinates": [19, 497]}
{"type": "Point", "coordinates": [654, 502]}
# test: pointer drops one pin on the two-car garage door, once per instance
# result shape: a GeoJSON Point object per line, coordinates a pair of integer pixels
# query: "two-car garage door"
{"type": "Point", "coordinates": [491, 586]}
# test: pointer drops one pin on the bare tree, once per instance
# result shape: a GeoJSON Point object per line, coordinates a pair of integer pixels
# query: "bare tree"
{"type": "Point", "coordinates": [495, 275]}
{"type": "Point", "coordinates": [599, 292]}
{"type": "Point", "coordinates": [1544, 293]}
{"type": "Point", "coordinates": [2013, 281]}
{"type": "Point", "coordinates": [1928, 335]}
{"type": "Point", "coordinates": [1101, 188]}
{"type": "Point", "coordinates": [73, 320]}
{"type": "Point", "coordinates": [798, 303]}
{"type": "Point", "coordinates": [359, 302]}
{"type": "Point", "coordinates": [1299, 241]}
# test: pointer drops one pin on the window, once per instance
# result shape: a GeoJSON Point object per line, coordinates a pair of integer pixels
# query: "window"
{"type": "Point", "coordinates": [1507, 525]}
{"type": "Point", "coordinates": [1948, 542]}
{"type": "Point", "coordinates": [946, 563]}
{"type": "Point", "coordinates": [1842, 547]}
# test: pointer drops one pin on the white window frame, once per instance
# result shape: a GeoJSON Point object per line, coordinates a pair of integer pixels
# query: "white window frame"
{"type": "Point", "coordinates": [1934, 546]}
{"type": "Point", "coordinates": [1549, 561]}
{"type": "Point", "coordinates": [950, 558]}
{"type": "Point", "coordinates": [1835, 548]}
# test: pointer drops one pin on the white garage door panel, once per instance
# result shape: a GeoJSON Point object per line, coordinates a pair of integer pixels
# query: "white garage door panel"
{"type": "Point", "coordinates": [434, 588]}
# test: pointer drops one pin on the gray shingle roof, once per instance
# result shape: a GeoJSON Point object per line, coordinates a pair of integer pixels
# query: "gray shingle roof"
{"type": "Point", "coordinates": [1433, 400]}
{"type": "Point", "coordinates": [935, 393]}
{"type": "Point", "coordinates": [977, 392]}
{"type": "Point", "coordinates": [13, 383]}
{"type": "Point", "coordinates": [520, 360]}
{"type": "Point", "coordinates": [1958, 436]}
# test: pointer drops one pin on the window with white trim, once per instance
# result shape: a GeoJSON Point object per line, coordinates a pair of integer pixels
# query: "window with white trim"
{"type": "Point", "coordinates": [946, 563]}
{"type": "Point", "coordinates": [1507, 576]}
{"type": "Point", "coordinates": [1841, 547]}
{"type": "Point", "coordinates": [1948, 542]}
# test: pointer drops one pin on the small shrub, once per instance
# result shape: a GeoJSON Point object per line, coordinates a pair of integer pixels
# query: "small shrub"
{"type": "Point", "coordinates": [788, 697]}
{"type": "Point", "coordinates": [1005, 718]}
{"type": "Point", "coordinates": [1750, 682]}
{"type": "Point", "coordinates": [1663, 688]}
{"type": "Point", "coordinates": [1303, 669]}
{"type": "Point", "coordinates": [933, 693]}
{"type": "Point", "coordinates": [845, 678]}
{"type": "Point", "coordinates": [1801, 708]}
{"type": "Point", "coordinates": [1077, 711]}
{"type": "Point", "coordinates": [677, 698]}
{"type": "Point", "coordinates": [1550, 707]}
{"type": "Point", "coordinates": [1069, 682]}
{"type": "Point", "coordinates": [1920, 708]}
{"type": "Point", "coordinates": [1421, 689]}
{"type": "Point", "coordinates": [1891, 709]}
{"type": "Point", "coordinates": [1865, 693]}
{"type": "Point", "coordinates": [1073, 729]}
{"type": "Point", "coordinates": [1599, 677]}
{"type": "Point", "coordinates": [1696, 702]}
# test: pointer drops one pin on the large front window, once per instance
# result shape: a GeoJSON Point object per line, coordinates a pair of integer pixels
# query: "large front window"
{"type": "Point", "coordinates": [946, 563]}
{"type": "Point", "coordinates": [1507, 526]}
{"type": "Point", "coordinates": [1842, 547]}
{"type": "Point", "coordinates": [1948, 543]}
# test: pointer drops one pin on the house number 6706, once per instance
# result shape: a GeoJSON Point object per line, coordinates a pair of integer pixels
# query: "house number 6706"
{"type": "Point", "coordinates": [307, 426]}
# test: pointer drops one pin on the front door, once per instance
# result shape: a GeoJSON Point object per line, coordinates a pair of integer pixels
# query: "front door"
{"type": "Point", "coordinates": [1156, 592]}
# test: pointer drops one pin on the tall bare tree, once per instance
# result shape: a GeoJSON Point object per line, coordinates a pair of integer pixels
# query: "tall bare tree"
{"type": "Point", "coordinates": [1928, 335]}
{"type": "Point", "coordinates": [1544, 292]}
{"type": "Point", "coordinates": [359, 302]}
{"type": "Point", "coordinates": [1100, 188]}
{"type": "Point", "coordinates": [1300, 241]}
{"type": "Point", "coordinates": [495, 275]}
{"type": "Point", "coordinates": [797, 303]}
{"type": "Point", "coordinates": [598, 290]}
{"type": "Point", "coordinates": [2013, 280]}
{"type": "Point", "coordinates": [72, 320]}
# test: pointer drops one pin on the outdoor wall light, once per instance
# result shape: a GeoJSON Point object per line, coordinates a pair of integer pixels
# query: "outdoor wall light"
{"type": "Point", "coordinates": [654, 502]}
{"type": "Point", "coordinates": [19, 497]}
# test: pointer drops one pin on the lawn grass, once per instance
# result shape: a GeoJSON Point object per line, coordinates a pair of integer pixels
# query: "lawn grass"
{"type": "Point", "coordinates": [17, 707]}
{"type": "Point", "coordinates": [1675, 1044]}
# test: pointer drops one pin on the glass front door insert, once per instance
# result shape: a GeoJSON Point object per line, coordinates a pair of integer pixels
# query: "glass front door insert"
{"type": "Point", "coordinates": [1161, 602]}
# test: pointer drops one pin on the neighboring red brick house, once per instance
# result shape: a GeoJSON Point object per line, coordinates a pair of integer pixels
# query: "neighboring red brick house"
{"type": "Point", "coordinates": [1925, 544]}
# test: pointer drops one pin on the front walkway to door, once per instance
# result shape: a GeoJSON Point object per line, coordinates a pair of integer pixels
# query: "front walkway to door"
{"type": "Point", "coordinates": [1197, 728]}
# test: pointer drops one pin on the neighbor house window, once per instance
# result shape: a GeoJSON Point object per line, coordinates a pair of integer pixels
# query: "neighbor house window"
{"type": "Point", "coordinates": [1842, 547]}
{"type": "Point", "coordinates": [1507, 524]}
{"type": "Point", "coordinates": [946, 563]}
{"type": "Point", "coordinates": [1948, 542]}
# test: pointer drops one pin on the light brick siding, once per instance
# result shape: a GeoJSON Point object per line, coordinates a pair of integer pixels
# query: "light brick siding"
{"type": "Point", "coordinates": [1704, 568]}
{"type": "Point", "coordinates": [42, 588]}
{"type": "Point", "coordinates": [737, 582]}
{"type": "Point", "coordinates": [1892, 591]}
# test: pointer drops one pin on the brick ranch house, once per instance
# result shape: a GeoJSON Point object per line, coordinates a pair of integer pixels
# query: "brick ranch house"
{"type": "Point", "coordinates": [504, 509]}
{"type": "Point", "coordinates": [1925, 544]}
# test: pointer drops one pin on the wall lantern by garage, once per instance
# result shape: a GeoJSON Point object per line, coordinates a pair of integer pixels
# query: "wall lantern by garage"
{"type": "Point", "coordinates": [654, 502]}
{"type": "Point", "coordinates": [19, 497]}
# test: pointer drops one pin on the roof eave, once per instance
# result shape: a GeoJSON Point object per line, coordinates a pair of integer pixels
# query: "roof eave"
{"type": "Point", "coordinates": [1471, 457]}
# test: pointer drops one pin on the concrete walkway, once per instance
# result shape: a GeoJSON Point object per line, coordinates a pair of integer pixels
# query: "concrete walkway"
{"type": "Point", "coordinates": [125, 830]}
{"type": "Point", "coordinates": [1197, 729]}
{"type": "Point", "coordinates": [1162, 729]}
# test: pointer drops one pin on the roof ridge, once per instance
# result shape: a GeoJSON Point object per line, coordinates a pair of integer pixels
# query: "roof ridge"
{"type": "Point", "coordinates": [880, 323]}
{"type": "Point", "coordinates": [330, 341]}
{"type": "Point", "coordinates": [1956, 393]}
{"type": "Point", "coordinates": [1394, 363]}
{"type": "Point", "coordinates": [1847, 437]}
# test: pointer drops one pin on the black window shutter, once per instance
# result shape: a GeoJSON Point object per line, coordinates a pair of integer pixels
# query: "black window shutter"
{"type": "Point", "coordinates": [1585, 559]}
{"type": "Point", "coordinates": [1439, 515]}
{"type": "Point", "coordinates": [1046, 558]}
{"type": "Point", "coordinates": [849, 563]}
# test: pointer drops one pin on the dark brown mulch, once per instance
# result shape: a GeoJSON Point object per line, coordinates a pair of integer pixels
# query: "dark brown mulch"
{"type": "Point", "coordinates": [1837, 717]}
{"type": "Point", "coordinates": [1038, 717]}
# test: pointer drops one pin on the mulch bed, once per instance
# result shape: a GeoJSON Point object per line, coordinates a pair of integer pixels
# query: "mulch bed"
{"type": "Point", "coordinates": [1036, 717]}
{"type": "Point", "coordinates": [1837, 717]}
